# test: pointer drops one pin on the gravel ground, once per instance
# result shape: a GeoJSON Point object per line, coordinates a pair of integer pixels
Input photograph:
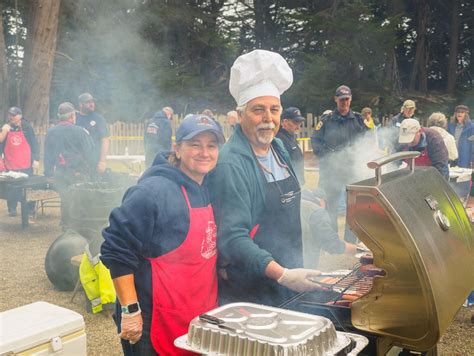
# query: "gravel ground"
{"type": "Point", "coordinates": [24, 281]}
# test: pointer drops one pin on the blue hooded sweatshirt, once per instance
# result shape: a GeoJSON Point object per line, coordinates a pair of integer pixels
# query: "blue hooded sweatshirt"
{"type": "Point", "coordinates": [152, 221]}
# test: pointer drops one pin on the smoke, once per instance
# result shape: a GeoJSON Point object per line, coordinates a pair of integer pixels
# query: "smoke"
{"type": "Point", "coordinates": [349, 164]}
{"type": "Point", "coordinates": [106, 53]}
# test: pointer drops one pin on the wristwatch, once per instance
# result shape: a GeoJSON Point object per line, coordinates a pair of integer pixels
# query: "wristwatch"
{"type": "Point", "coordinates": [131, 308]}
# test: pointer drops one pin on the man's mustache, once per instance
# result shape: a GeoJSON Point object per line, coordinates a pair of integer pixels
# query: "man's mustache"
{"type": "Point", "coordinates": [266, 126]}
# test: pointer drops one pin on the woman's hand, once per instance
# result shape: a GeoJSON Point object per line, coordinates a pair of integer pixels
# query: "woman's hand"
{"type": "Point", "coordinates": [131, 327]}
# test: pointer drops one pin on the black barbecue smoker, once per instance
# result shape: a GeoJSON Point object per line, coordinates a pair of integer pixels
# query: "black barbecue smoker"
{"type": "Point", "coordinates": [422, 245]}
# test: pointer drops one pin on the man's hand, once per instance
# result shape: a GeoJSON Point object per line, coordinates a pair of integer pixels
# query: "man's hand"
{"type": "Point", "coordinates": [101, 166]}
{"type": "Point", "coordinates": [298, 279]}
{"type": "Point", "coordinates": [350, 249]}
{"type": "Point", "coordinates": [6, 128]}
{"type": "Point", "coordinates": [131, 327]}
{"type": "Point", "coordinates": [35, 165]}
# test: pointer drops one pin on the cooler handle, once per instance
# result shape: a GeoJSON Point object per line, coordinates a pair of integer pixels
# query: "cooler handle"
{"type": "Point", "coordinates": [378, 163]}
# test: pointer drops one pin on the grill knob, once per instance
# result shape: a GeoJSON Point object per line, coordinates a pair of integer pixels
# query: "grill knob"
{"type": "Point", "coordinates": [442, 220]}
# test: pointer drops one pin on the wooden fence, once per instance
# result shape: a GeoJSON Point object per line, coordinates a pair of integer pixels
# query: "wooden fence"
{"type": "Point", "coordinates": [127, 138]}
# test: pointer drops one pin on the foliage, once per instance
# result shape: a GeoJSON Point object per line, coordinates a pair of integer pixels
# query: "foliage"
{"type": "Point", "coordinates": [136, 56]}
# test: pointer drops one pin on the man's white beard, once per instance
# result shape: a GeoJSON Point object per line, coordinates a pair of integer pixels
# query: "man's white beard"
{"type": "Point", "coordinates": [266, 137]}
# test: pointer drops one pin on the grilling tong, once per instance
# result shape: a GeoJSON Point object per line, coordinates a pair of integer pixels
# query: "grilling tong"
{"type": "Point", "coordinates": [218, 322]}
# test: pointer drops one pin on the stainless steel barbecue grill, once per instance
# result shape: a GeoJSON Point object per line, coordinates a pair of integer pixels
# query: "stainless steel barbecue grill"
{"type": "Point", "coordinates": [422, 240]}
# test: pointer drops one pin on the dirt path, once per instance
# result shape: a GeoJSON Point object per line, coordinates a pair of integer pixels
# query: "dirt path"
{"type": "Point", "coordinates": [23, 281]}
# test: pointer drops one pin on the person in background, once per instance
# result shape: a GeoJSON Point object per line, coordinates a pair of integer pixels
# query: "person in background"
{"type": "Point", "coordinates": [407, 111]}
{"type": "Point", "coordinates": [158, 132]}
{"type": "Point", "coordinates": [20, 151]}
{"type": "Point", "coordinates": [428, 142]}
{"type": "Point", "coordinates": [255, 192]}
{"type": "Point", "coordinates": [232, 120]}
{"type": "Point", "coordinates": [318, 233]}
{"type": "Point", "coordinates": [160, 245]}
{"type": "Point", "coordinates": [374, 126]}
{"type": "Point", "coordinates": [438, 122]}
{"type": "Point", "coordinates": [68, 155]}
{"type": "Point", "coordinates": [336, 133]}
{"type": "Point", "coordinates": [96, 125]}
{"type": "Point", "coordinates": [291, 121]}
{"type": "Point", "coordinates": [462, 128]}
{"type": "Point", "coordinates": [209, 113]}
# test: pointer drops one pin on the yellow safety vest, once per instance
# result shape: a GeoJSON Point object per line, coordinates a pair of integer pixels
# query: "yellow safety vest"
{"type": "Point", "coordinates": [96, 281]}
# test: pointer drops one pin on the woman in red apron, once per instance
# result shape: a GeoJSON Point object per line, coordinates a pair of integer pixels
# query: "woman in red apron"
{"type": "Point", "coordinates": [160, 245]}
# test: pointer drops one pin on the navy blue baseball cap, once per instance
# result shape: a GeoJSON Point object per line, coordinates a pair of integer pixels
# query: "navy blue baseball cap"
{"type": "Point", "coordinates": [194, 125]}
{"type": "Point", "coordinates": [343, 92]}
{"type": "Point", "coordinates": [292, 113]}
{"type": "Point", "coordinates": [14, 111]}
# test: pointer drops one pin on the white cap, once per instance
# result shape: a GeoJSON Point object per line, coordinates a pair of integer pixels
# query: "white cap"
{"type": "Point", "coordinates": [259, 73]}
{"type": "Point", "coordinates": [408, 130]}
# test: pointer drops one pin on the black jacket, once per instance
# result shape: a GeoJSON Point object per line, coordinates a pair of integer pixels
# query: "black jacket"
{"type": "Point", "coordinates": [157, 136]}
{"type": "Point", "coordinates": [291, 145]}
{"type": "Point", "coordinates": [335, 132]}
{"type": "Point", "coordinates": [70, 147]}
{"type": "Point", "coordinates": [332, 138]}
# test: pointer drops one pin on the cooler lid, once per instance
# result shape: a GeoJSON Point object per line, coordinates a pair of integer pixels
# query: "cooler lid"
{"type": "Point", "coordinates": [34, 324]}
{"type": "Point", "coordinates": [420, 234]}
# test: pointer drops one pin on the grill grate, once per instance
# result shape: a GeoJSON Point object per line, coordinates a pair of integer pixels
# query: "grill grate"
{"type": "Point", "coordinates": [351, 286]}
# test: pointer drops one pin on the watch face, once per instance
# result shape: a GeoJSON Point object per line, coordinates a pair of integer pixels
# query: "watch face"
{"type": "Point", "coordinates": [132, 308]}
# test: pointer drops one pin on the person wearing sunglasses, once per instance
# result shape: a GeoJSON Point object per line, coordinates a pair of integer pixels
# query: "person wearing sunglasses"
{"type": "Point", "coordinates": [255, 192]}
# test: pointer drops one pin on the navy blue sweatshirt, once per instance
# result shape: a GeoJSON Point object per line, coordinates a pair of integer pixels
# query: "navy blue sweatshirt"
{"type": "Point", "coordinates": [152, 221]}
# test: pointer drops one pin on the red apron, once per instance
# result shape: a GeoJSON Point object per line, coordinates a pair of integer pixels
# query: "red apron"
{"type": "Point", "coordinates": [423, 159]}
{"type": "Point", "coordinates": [184, 281]}
{"type": "Point", "coordinates": [17, 151]}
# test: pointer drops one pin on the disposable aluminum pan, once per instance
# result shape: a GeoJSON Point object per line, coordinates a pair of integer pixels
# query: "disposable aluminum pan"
{"type": "Point", "coordinates": [259, 330]}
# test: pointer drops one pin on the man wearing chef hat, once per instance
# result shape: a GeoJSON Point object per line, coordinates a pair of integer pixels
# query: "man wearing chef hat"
{"type": "Point", "coordinates": [255, 193]}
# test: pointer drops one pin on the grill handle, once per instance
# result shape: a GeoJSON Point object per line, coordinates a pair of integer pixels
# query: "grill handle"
{"type": "Point", "coordinates": [378, 163]}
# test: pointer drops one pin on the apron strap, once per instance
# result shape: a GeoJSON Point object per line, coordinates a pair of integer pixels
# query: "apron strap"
{"type": "Point", "coordinates": [186, 197]}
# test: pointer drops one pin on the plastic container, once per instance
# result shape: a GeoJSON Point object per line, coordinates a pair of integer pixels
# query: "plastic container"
{"type": "Point", "coordinates": [42, 329]}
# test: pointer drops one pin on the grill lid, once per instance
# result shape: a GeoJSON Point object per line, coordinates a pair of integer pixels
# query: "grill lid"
{"type": "Point", "coordinates": [420, 234]}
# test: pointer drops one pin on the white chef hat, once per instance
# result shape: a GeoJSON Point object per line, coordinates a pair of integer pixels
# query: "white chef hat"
{"type": "Point", "coordinates": [259, 73]}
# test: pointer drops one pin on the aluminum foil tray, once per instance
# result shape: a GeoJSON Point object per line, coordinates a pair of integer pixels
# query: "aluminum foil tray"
{"type": "Point", "coordinates": [259, 330]}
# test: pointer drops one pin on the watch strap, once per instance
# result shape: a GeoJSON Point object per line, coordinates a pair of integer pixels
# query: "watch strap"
{"type": "Point", "coordinates": [131, 308]}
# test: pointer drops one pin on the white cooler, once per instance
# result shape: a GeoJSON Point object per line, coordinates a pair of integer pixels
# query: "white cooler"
{"type": "Point", "coordinates": [42, 329]}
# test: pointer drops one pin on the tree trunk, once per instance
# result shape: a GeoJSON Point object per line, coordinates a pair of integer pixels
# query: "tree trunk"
{"type": "Point", "coordinates": [265, 26]}
{"type": "Point", "coordinates": [393, 73]}
{"type": "Point", "coordinates": [260, 9]}
{"type": "Point", "coordinates": [39, 52]}
{"type": "Point", "coordinates": [3, 72]}
{"type": "Point", "coordinates": [419, 64]}
{"type": "Point", "coordinates": [453, 48]}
